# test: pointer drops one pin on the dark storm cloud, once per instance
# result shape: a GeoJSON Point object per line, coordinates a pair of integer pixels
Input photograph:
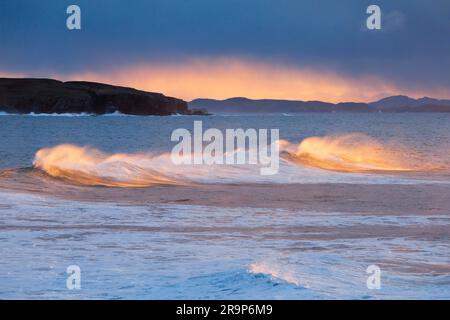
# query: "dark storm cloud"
{"type": "Point", "coordinates": [413, 47]}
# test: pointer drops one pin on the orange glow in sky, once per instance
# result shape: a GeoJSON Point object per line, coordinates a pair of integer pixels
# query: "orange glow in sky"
{"type": "Point", "coordinates": [223, 78]}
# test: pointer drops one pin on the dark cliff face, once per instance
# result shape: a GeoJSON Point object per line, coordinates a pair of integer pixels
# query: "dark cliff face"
{"type": "Point", "coordinates": [52, 96]}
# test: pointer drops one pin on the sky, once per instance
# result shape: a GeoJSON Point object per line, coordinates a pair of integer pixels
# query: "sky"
{"type": "Point", "coordinates": [286, 49]}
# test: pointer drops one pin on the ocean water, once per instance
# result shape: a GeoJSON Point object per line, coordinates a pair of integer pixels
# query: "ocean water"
{"type": "Point", "coordinates": [102, 194]}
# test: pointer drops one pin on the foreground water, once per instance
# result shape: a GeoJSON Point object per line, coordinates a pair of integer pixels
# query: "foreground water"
{"type": "Point", "coordinates": [165, 243]}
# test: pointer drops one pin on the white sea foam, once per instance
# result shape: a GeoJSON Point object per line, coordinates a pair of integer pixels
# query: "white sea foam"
{"type": "Point", "coordinates": [275, 271]}
{"type": "Point", "coordinates": [182, 251]}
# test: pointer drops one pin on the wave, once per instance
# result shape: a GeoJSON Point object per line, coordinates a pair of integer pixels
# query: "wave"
{"type": "Point", "coordinates": [306, 162]}
{"type": "Point", "coordinates": [357, 153]}
{"type": "Point", "coordinates": [88, 166]}
{"type": "Point", "coordinates": [32, 114]}
{"type": "Point", "coordinates": [82, 114]}
{"type": "Point", "coordinates": [276, 272]}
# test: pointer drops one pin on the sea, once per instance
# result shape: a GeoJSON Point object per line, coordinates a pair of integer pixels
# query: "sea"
{"type": "Point", "coordinates": [359, 209]}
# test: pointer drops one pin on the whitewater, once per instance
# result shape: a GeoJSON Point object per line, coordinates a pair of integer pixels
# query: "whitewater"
{"type": "Point", "coordinates": [352, 191]}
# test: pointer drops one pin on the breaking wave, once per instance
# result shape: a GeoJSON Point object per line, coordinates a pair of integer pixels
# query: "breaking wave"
{"type": "Point", "coordinates": [351, 153]}
{"type": "Point", "coordinates": [89, 166]}
{"type": "Point", "coordinates": [355, 153]}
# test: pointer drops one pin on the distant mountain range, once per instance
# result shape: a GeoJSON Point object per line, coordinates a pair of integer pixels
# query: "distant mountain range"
{"type": "Point", "coordinates": [389, 104]}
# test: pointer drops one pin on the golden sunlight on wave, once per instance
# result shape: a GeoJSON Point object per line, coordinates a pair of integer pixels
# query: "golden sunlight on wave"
{"type": "Point", "coordinates": [354, 153]}
{"type": "Point", "coordinates": [89, 166]}
{"type": "Point", "coordinates": [349, 153]}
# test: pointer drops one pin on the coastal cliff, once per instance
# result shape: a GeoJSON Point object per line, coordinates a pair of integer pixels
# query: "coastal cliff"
{"type": "Point", "coordinates": [52, 96]}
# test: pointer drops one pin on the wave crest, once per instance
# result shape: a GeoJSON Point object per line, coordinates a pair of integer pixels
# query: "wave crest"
{"type": "Point", "coordinates": [275, 271]}
{"type": "Point", "coordinates": [350, 153]}
{"type": "Point", "coordinates": [354, 153]}
{"type": "Point", "coordinates": [89, 166]}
